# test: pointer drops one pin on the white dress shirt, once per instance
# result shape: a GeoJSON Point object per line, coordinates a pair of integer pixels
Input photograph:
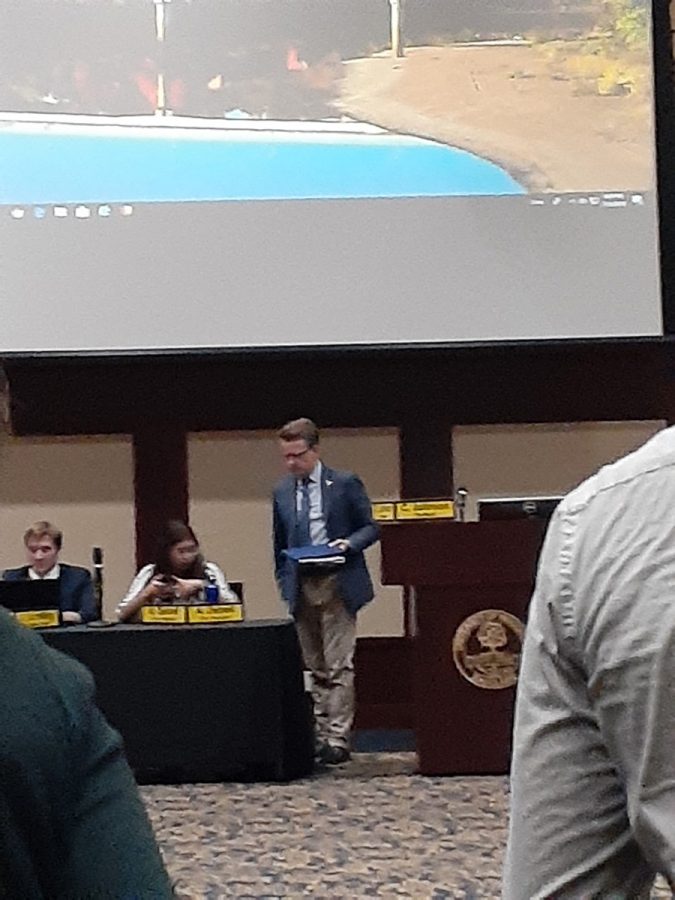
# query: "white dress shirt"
{"type": "Point", "coordinates": [212, 571]}
{"type": "Point", "coordinates": [51, 575]}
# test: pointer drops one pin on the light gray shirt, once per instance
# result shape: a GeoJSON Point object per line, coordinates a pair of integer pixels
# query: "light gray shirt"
{"type": "Point", "coordinates": [317, 521]}
{"type": "Point", "coordinates": [593, 776]}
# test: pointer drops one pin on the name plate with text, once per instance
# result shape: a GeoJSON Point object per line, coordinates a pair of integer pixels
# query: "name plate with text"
{"type": "Point", "coordinates": [384, 511]}
{"type": "Point", "coordinates": [412, 510]}
{"type": "Point", "coordinates": [164, 615]}
{"type": "Point", "coordinates": [39, 618]}
{"type": "Point", "coordinates": [201, 614]}
{"type": "Point", "coordinates": [216, 612]}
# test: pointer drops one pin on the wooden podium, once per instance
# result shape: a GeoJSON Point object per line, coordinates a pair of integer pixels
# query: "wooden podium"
{"type": "Point", "coordinates": [472, 584]}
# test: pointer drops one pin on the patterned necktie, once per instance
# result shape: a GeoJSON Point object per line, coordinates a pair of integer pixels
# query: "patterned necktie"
{"type": "Point", "coordinates": [302, 535]}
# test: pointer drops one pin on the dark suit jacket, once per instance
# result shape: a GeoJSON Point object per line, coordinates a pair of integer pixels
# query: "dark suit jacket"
{"type": "Point", "coordinates": [76, 589]}
{"type": "Point", "coordinates": [346, 509]}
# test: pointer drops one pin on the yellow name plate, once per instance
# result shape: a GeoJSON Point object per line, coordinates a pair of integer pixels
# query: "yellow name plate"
{"type": "Point", "coordinates": [384, 512]}
{"type": "Point", "coordinates": [39, 618]}
{"type": "Point", "coordinates": [412, 510]}
{"type": "Point", "coordinates": [164, 615]}
{"type": "Point", "coordinates": [216, 612]}
{"type": "Point", "coordinates": [193, 615]}
{"type": "Point", "coordinates": [425, 509]}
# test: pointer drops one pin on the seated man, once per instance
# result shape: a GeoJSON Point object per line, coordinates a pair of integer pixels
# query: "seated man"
{"type": "Point", "coordinates": [76, 591]}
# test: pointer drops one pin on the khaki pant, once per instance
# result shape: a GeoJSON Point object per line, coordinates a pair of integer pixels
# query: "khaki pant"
{"type": "Point", "coordinates": [327, 634]}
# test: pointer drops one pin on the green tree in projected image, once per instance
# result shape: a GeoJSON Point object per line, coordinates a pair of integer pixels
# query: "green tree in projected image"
{"type": "Point", "coordinates": [629, 23]}
{"type": "Point", "coordinates": [612, 57]}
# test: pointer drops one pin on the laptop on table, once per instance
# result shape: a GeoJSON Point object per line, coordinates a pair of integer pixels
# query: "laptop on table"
{"type": "Point", "coordinates": [34, 603]}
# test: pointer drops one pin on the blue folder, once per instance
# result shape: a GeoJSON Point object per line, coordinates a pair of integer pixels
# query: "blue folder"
{"type": "Point", "coordinates": [317, 554]}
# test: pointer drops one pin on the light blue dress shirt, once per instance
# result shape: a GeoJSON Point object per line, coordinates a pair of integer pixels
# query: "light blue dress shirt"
{"type": "Point", "coordinates": [317, 521]}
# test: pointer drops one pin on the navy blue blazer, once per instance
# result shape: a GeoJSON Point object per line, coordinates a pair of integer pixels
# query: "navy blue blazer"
{"type": "Point", "coordinates": [346, 509]}
{"type": "Point", "coordinates": [76, 589]}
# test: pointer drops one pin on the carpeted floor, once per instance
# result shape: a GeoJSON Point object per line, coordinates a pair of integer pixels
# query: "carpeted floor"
{"type": "Point", "coordinates": [369, 829]}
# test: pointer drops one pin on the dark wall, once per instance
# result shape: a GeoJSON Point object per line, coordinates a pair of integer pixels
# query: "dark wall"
{"type": "Point", "coordinates": [417, 389]}
{"type": "Point", "coordinates": [423, 393]}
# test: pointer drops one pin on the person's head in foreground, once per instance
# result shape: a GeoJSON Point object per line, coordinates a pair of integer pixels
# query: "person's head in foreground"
{"type": "Point", "coordinates": [71, 820]}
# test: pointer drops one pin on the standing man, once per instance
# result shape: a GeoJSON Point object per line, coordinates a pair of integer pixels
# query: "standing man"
{"type": "Point", "coordinates": [593, 775]}
{"type": "Point", "coordinates": [315, 505]}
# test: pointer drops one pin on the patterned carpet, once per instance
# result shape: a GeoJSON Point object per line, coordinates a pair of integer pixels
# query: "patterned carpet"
{"type": "Point", "coordinates": [369, 829]}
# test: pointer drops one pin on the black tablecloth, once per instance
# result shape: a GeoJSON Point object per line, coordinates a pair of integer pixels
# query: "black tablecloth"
{"type": "Point", "coordinates": [201, 702]}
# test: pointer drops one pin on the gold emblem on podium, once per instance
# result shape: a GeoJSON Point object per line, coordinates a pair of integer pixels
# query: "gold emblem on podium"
{"type": "Point", "coordinates": [486, 649]}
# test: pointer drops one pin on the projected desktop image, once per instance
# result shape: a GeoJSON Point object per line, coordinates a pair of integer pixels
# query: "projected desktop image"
{"type": "Point", "coordinates": [472, 187]}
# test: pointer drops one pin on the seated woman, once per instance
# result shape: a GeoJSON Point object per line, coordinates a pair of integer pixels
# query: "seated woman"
{"type": "Point", "coordinates": [178, 576]}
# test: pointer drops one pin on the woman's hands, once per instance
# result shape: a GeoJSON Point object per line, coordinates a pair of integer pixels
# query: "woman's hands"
{"type": "Point", "coordinates": [180, 589]}
{"type": "Point", "coordinates": [158, 589]}
{"type": "Point", "coordinates": [184, 588]}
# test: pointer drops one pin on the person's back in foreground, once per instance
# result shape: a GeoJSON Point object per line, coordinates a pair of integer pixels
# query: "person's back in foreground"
{"type": "Point", "coordinates": [71, 822]}
{"type": "Point", "coordinates": [593, 774]}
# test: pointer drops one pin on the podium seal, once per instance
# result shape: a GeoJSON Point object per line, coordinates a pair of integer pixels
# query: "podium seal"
{"type": "Point", "coordinates": [486, 649]}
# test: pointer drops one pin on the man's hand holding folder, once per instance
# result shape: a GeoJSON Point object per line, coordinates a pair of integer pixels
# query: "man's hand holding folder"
{"type": "Point", "coordinates": [317, 554]}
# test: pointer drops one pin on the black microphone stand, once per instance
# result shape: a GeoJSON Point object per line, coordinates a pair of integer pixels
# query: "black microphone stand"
{"type": "Point", "coordinates": [97, 559]}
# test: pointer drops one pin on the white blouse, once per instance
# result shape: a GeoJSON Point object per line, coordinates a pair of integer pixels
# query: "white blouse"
{"type": "Point", "coordinates": [212, 572]}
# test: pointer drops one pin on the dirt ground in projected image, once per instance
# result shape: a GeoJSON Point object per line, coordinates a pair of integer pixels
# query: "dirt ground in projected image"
{"type": "Point", "coordinates": [514, 105]}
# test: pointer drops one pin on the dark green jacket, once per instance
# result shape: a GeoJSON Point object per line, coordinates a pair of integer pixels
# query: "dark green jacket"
{"type": "Point", "coordinates": [72, 824]}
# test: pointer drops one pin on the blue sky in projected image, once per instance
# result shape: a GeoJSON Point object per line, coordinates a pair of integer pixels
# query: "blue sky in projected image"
{"type": "Point", "coordinates": [61, 161]}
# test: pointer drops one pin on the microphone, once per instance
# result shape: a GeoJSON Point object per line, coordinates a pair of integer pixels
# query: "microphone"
{"type": "Point", "coordinates": [460, 503]}
{"type": "Point", "coordinates": [97, 560]}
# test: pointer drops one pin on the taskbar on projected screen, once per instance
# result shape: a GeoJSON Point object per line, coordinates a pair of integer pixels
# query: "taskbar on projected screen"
{"type": "Point", "coordinates": [84, 210]}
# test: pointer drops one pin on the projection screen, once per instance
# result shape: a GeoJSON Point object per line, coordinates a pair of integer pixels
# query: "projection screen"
{"type": "Point", "coordinates": [294, 173]}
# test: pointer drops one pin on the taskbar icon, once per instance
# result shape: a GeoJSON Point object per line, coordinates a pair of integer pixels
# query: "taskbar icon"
{"type": "Point", "coordinates": [80, 211]}
{"type": "Point", "coordinates": [601, 199]}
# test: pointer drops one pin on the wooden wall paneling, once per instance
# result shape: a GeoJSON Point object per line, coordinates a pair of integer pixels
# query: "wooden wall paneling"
{"type": "Point", "coordinates": [160, 484]}
{"type": "Point", "coordinates": [384, 683]}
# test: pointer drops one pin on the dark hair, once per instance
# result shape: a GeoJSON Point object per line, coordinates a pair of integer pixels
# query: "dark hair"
{"type": "Point", "coordinates": [44, 529]}
{"type": "Point", "coordinates": [174, 532]}
{"type": "Point", "coordinates": [300, 430]}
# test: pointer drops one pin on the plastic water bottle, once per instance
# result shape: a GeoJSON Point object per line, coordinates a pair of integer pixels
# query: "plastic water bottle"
{"type": "Point", "coordinates": [211, 591]}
